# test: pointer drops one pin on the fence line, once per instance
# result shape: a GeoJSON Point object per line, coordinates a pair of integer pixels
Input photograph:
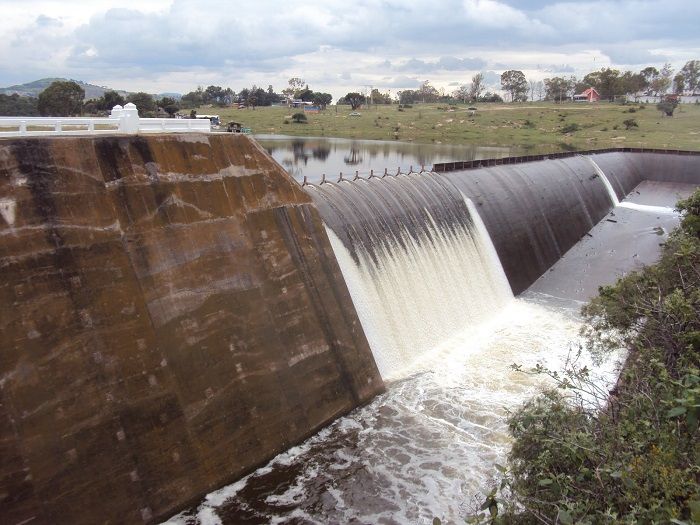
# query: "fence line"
{"type": "Point", "coordinates": [121, 120]}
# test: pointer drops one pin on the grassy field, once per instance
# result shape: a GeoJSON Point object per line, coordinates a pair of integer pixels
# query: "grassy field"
{"type": "Point", "coordinates": [535, 127]}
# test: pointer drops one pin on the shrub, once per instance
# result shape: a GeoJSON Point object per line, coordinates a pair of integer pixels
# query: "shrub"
{"type": "Point", "coordinates": [667, 107]}
{"type": "Point", "coordinates": [565, 146]}
{"type": "Point", "coordinates": [570, 128]}
{"type": "Point", "coordinates": [633, 458]}
{"type": "Point", "coordinates": [299, 118]}
{"type": "Point", "coordinates": [630, 123]}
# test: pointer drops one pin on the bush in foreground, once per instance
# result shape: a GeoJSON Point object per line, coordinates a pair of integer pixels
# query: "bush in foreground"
{"type": "Point", "coordinates": [636, 460]}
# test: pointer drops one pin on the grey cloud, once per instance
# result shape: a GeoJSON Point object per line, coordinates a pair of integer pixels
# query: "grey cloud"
{"type": "Point", "coordinates": [400, 82]}
{"type": "Point", "coordinates": [459, 64]}
{"type": "Point", "coordinates": [266, 36]}
{"type": "Point", "coordinates": [445, 63]}
{"type": "Point", "coordinates": [632, 56]}
{"type": "Point", "coordinates": [557, 68]}
{"type": "Point", "coordinates": [492, 78]}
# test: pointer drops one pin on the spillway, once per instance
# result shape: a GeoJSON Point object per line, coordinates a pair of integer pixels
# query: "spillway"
{"type": "Point", "coordinates": [418, 262]}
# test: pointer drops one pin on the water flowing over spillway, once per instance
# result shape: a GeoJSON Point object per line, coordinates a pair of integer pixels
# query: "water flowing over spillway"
{"type": "Point", "coordinates": [415, 285]}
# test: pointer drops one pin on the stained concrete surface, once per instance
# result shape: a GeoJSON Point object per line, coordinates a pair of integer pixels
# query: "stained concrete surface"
{"type": "Point", "coordinates": [171, 316]}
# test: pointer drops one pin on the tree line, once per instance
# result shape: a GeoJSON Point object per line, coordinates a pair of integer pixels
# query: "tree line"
{"type": "Point", "coordinates": [66, 98]}
{"type": "Point", "coordinates": [608, 82]}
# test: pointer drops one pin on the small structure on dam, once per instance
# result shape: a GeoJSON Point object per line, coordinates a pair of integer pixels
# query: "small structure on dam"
{"type": "Point", "coordinates": [172, 315]}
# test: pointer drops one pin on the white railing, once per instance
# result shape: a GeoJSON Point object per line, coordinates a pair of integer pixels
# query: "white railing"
{"type": "Point", "coordinates": [121, 120]}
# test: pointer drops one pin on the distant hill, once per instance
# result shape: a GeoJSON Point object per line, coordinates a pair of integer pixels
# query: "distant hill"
{"type": "Point", "coordinates": [32, 89]}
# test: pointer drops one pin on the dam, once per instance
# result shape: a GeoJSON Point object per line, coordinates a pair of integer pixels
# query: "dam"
{"type": "Point", "coordinates": [178, 315]}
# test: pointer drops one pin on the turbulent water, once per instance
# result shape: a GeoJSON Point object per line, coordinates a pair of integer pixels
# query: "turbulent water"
{"type": "Point", "coordinates": [426, 448]}
{"type": "Point", "coordinates": [445, 330]}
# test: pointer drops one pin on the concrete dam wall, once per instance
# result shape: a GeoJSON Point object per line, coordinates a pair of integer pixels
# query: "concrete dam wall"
{"type": "Point", "coordinates": [534, 211]}
{"type": "Point", "coordinates": [172, 315]}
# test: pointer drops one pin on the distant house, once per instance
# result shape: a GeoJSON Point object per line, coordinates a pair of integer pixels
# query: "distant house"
{"type": "Point", "coordinates": [298, 103]}
{"type": "Point", "coordinates": [589, 95]}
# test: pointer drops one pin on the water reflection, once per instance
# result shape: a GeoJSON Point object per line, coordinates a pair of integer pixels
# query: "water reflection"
{"type": "Point", "coordinates": [312, 157]}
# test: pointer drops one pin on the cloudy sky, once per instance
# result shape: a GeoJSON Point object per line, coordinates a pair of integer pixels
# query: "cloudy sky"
{"type": "Point", "coordinates": [336, 46]}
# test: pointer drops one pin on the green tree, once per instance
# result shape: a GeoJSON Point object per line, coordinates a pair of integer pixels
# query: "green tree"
{"type": "Point", "coordinates": [691, 74]}
{"type": "Point", "coordinates": [380, 98]}
{"type": "Point", "coordinates": [559, 88]}
{"type": "Point", "coordinates": [354, 99]}
{"type": "Point", "coordinates": [295, 85]}
{"type": "Point", "coordinates": [17, 106]}
{"type": "Point", "coordinates": [322, 99]}
{"type": "Point", "coordinates": [61, 99]}
{"type": "Point", "coordinates": [461, 93]}
{"type": "Point", "coordinates": [662, 82]}
{"type": "Point", "coordinates": [476, 88]}
{"type": "Point", "coordinates": [143, 102]}
{"type": "Point", "coordinates": [631, 83]}
{"type": "Point", "coordinates": [218, 96]}
{"type": "Point", "coordinates": [169, 105]}
{"type": "Point", "coordinates": [305, 94]}
{"type": "Point", "coordinates": [606, 82]}
{"type": "Point", "coordinates": [648, 75]}
{"type": "Point", "coordinates": [514, 82]}
{"type": "Point", "coordinates": [428, 93]}
{"type": "Point", "coordinates": [110, 99]}
{"type": "Point", "coordinates": [678, 84]}
{"type": "Point", "coordinates": [193, 99]}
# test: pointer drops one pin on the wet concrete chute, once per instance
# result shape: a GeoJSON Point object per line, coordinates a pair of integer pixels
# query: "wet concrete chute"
{"type": "Point", "coordinates": [180, 313]}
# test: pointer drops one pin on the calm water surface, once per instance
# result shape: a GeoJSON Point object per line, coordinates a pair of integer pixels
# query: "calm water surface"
{"type": "Point", "coordinates": [312, 157]}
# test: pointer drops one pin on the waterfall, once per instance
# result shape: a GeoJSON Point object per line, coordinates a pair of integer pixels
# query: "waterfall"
{"type": "Point", "coordinates": [415, 284]}
{"type": "Point", "coordinates": [624, 204]}
{"type": "Point", "coordinates": [611, 191]}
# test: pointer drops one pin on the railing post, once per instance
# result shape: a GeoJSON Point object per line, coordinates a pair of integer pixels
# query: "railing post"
{"type": "Point", "coordinates": [116, 114]}
{"type": "Point", "coordinates": [91, 126]}
{"type": "Point", "coordinates": [57, 126]}
{"type": "Point", "coordinates": [130, 118]}
{"type": "Point", "coordinates": [23, 127]}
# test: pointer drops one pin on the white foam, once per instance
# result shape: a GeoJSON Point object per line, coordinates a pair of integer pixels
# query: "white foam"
{"type": "Point", "coordinates": [660, 210]}
{"type": "Point", "coordinates": [416, 297]}
{"type": "Point", "coordinates": [428, 445]}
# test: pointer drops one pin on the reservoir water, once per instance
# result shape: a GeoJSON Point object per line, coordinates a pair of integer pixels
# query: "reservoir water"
{"type": "Point", "coordinates": [312, 157]}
